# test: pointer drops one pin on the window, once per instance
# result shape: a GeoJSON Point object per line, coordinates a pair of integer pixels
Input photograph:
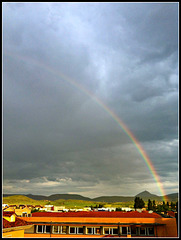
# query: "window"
{"type": "Point", "coordinates": [128, 230]}
{"type": "Point", "coordinates": [55, 229]}
{"type": "Point", "coordinates": [47, 229]}
{"type": "Point", "coordinates": [137, 231]}
{"type": "Point", "coordinates": [142, 231]}
{"type": "Point", "coordinates": [64, 229]}
{"type": "Point", "coordinates": [97, 230]}
{"type": "Point", "coordinates": [150, 231]}
{"type": "Point", "coordinates": [124, 230]}
{"type": "Point", "coordinates": [106, 231]}
{"type": "Point", "coordinates": [59, 229]}
{"type": "Point", "coordinates": [133, 230]}
{"type": "Point", "coordinates": [72, 230]}
{"type": "Point", "coordinates": [114, 231]}
{"type": "Point", "coordinates": [89, 230]}
{"type": "Point", "coordinates": [40, 229]}
{"type": "Point", "coordinates": [80, 230]}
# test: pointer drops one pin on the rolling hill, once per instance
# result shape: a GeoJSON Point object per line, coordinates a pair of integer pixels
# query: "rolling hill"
{"type": "Point", "coordinates": [145, 195]}
{"type": "Point", "coordinates": [113, 199]}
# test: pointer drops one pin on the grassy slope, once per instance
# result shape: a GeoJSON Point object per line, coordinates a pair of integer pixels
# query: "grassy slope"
{"type": "Point", "coordinates": [20, 199]}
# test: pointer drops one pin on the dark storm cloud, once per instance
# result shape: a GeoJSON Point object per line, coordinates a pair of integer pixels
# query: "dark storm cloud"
{"type": "Point", "coordinates": [58, 138]}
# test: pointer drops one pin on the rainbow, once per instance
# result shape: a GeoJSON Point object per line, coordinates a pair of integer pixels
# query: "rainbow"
{"type": "Point", "coordinates": [121, 124]}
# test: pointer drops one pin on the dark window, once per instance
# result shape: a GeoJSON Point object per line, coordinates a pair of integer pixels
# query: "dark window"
{"type": "Point", "coordinates": [142, 231]}
{"type": "Point", "coordinates": [40, 228]}
{"type": "Point", "coordinates": [106, 230]}
{"type": "Point", "coordinates": [124, 230]}
{"type": "Point", "coordinates": [47, 229]}
{"type": "Point", "coordinates": [89, 231]}
{"type": "Point", "coordinates": [133, 230]}
{"type": "Point", "coordinates": [151, 231]}
{"type": "Point", "coordinates": [115, 231]}
{"type": "Point", "coordinates": [72, 230]}
{"type": "Point", "coordinates": [137, 231]}
{"type": "Point", "coordinates": [80, 230]}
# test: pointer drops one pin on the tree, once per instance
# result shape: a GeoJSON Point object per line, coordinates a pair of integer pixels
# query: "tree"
{"type": "Point", "coordinates": [150, 205]}
{"type": "Point", "coordinates": [142, 203]}
{"type": "Point", "coordinates": [172, 206]}
{"type": "Point", "coordinates": [118, 209]}
{"type": "Point", "coordinates": [138, 203]}
{"type": "Point", "coordinates": [34, 210]}
{"type": "Point", "coordinates": [101, 205]}
{"type": "Point", "coordinates": [154, 205]}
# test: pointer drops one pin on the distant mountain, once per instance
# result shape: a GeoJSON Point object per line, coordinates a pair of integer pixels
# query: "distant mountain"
{"type": "Point", "coordinates": [68, 196]}
{"type": "Point", "coordinates": [173, 197]}
{"type": "Point", "coordinates": [52, 197]}
{"type": "Point", "coordinates": [37, 197]}
{"type": "Point", "coordinates": [113, 199]}
{"type": "Point", "coordinates": [145, 195]}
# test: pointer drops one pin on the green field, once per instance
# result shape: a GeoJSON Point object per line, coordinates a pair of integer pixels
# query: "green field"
{"type": "Point", "coordinates": [20, 199]}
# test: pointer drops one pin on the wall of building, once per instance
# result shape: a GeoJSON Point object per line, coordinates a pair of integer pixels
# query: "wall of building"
{"type": "Point", "coordinates": [20, 211]}
{"type": "Point", "coordinates": [167, 230]}
{"type": "Point", "coordinates": [12, 218]}
{"type": "Point", "coordinates": [14, 234]}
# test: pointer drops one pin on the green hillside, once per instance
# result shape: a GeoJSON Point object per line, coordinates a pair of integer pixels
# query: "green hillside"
{"type": "Point", "coordinates": [70, 203]}
{"type": "Point", "coordinates": [20, 199]}
{"type": "Point", "coordinates": [78, 201]}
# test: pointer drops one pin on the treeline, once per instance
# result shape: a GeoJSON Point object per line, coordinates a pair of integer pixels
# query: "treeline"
{"type": "Point", "coordinates": [163, 207]}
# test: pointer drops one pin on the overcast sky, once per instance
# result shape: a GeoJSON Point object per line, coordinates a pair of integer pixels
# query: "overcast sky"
{"type": "Point", "coordinates": [59, 61]}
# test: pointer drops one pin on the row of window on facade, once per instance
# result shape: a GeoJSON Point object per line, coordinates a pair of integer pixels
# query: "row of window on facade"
{"type": "Point", "coordinates": [133, 230]}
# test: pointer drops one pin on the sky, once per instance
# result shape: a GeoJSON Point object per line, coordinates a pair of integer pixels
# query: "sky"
{"type": "Point", "coordinates": [66, 68]}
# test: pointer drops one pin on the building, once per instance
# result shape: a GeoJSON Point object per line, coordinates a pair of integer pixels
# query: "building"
{"type": "Point", "coordinates": [9, 209]}
{"type": "Point", "coordinates": [100, 224]}
{"type": "Point", "coordinates": [59, 208]}
{"type": "Point", "coordinates": [49, 207]}
{"type": "Point", "coordinates": [13, 226]}
{"type": "Point", "coordinates": [4, 205]}
{"type": "Point", "coordinates": [127, 209]}
{"type": "Point", "coordinates": [23, 212]}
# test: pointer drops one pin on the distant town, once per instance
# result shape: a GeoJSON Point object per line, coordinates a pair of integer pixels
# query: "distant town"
{"type": "Point", "coordinates": [83, 218]}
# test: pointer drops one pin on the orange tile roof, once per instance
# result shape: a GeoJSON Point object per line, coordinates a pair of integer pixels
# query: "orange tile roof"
{"type": "Point", "coordinates": [171, 213]}
{"type": "Point", "coordinates": [8, 213]}
{"type": "Point", "coordinates": [17, 223]}
{"type": "Point", "coordinates": [133, 214]}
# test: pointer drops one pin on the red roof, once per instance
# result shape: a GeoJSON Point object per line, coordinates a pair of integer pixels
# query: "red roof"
{"type": "Point", "coordinates": [133, 214]}
{"type": "Point", "coordinates": [8, 213]}
{"type": "Point", "coordinates": [18, 222]}
{"type": "Point", "coordinates": [171, 213]}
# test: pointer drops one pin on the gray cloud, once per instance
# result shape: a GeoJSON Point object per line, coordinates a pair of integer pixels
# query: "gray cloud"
{"type": "Point", "coordinates": [57, 136]}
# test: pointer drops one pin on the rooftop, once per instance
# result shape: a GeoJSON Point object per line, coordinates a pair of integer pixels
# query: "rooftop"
{"type": "Point", "coordinates": [18, 222]}
{"type": "Point", "coordinates": [133, 214]}
{"type": "Point", "coordinates": [8, 213]}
